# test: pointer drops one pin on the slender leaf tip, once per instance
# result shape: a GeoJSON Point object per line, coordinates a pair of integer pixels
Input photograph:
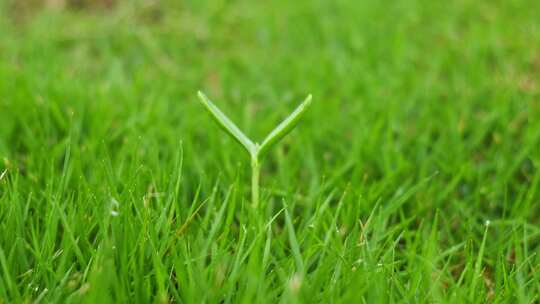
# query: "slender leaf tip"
{"type": "Point", "coordinates": [284, 127]}
{"type": "Point", "coordinates": [226, 124]}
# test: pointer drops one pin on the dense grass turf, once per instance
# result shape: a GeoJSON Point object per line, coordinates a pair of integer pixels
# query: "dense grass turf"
{"type": "Point", "coordinates": [413, 178]}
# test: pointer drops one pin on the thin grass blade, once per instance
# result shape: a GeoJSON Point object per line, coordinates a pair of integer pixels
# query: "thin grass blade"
{"type": "Point", "coordinates": [284, 127]}
{"type": "Point", "coordinates": [226, 124]}
{"type": "Point", "coordinates": [293, 241]}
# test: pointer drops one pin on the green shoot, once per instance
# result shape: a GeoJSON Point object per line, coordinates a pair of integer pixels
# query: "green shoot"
{"type": "Point", "coordinates": [255, 150]}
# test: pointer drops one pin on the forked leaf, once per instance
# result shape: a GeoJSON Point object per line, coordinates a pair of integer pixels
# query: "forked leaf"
{"type": "Point", "coordinates": [226, 124]}
{"type": "Point", "coordinates": [284, 127]}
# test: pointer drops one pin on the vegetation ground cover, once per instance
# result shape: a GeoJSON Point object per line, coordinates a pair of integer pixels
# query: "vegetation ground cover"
{"type": "Point", "coordinates": [413, 177]}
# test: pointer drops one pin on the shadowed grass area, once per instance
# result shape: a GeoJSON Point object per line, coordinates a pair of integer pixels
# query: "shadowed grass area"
{"type": "Point", "coordinates": [414, 176]}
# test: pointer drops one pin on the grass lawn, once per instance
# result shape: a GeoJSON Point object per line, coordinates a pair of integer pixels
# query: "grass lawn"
{"type": "Point", "coordinates": [413, 177]}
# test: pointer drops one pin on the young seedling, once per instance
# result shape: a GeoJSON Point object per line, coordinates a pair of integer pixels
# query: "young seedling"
{"type": "Point", "coordinates": [255, 150]}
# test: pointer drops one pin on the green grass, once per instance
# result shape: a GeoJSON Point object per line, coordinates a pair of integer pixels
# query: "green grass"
{"type": "Point", "coordinates": [413, 177]}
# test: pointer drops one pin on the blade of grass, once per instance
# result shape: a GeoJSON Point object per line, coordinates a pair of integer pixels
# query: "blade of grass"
{"type": "Point", "coordinates": [477, 276]}
{"type": "Point", "coordinates": [295, 247]}
{"type": "Point", "coordinates": [10, 285]}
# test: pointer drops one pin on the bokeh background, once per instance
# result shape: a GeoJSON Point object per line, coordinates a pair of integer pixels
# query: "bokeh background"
{"type": "Point", "coordinates": [441, 94]}
{"type": "Point", "coordinates": [406, 88]}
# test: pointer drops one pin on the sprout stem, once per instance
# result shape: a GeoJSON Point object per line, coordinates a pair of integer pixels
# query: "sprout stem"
{"type": "Point", "coordinates": [255, 173]}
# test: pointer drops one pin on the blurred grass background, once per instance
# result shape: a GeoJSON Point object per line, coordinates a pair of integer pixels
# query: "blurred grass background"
{"type": "Point", "coordinates": [411, 87]}
{"type": "Point", "coordinates": [96, 96]}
